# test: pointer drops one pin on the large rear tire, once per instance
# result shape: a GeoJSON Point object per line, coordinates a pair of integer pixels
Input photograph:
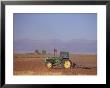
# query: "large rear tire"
{"type": "Point", "coordinates": [67, 64]}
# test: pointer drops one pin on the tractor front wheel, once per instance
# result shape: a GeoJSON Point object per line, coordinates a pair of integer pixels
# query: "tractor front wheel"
{"type": "Point", "coordinates": [49, 65]}
{"type": "Point", "coordinates": [67, 64]}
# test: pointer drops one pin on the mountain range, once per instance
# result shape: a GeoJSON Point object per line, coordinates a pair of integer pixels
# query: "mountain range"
{"type": "Point", "coordinates": [81, 46]}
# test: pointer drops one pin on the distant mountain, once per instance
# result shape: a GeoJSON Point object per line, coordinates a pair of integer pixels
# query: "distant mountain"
{"type": "Point", "coordinates": [75, 45]}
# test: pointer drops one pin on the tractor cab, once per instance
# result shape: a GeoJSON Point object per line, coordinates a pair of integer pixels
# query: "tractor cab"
{"type": "Point", "coordinates": [64, 55]}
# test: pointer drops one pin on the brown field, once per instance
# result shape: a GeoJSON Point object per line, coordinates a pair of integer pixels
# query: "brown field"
{"type": "Point", "coordinates": [33, 64]}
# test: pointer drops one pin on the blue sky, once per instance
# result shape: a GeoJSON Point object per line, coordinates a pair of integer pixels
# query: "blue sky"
{"type": "Point", "coordinates": [62, 26]}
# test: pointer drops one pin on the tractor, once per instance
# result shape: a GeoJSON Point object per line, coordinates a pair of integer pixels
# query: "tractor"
{"type": "Point", "coordinates": [63, 61]}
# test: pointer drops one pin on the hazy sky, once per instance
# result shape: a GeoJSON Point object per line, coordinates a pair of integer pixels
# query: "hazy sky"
{"type": "Point", "coordinates": [64, 26]}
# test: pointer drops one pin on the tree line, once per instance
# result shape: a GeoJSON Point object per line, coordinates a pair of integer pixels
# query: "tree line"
{"type": "Point", "coordinates": [42, 52]}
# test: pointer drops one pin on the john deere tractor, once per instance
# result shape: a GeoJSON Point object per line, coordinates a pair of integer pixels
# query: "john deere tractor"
{"type": "Point", "coordinates": [63, 61]}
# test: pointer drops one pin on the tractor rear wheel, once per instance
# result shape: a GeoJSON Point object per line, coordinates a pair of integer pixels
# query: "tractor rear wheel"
{"type": "Point", "coordinates": [49, 65]}
{"type": "Point", "coordinates": [67, 64]}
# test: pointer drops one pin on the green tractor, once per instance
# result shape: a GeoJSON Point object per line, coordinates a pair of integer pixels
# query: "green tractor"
{"type": "Point", "coordinates": [62, 61]}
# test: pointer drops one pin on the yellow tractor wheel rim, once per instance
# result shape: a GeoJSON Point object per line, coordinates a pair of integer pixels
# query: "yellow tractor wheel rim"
{"type": "Point", "coordinates": [49, 65]}
{"type": "Point", "coordinates": [67, 64]}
